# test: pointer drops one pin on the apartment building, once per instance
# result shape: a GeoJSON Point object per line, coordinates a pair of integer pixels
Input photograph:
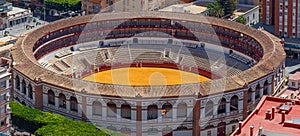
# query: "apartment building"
{"type": "Point", "coordinates": [284, 15]}
{"type": "Point", "coordinates": [4, 101]}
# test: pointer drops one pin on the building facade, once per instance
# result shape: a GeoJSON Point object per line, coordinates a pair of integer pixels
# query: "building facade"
{"type": "Point", "coordinates": [284, 15]}
{"type": "Point", "coordinates": [4, 100]}
{"type": "Point", "coordinates": [294, 81]}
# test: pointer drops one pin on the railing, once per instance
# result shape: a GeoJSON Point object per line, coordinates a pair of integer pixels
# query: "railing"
{"type": "Point", "coordinates": [222, 115]}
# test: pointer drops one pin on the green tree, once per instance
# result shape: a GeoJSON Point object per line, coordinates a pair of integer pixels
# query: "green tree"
{"type": "Point", "coordinates": [228, 5]}
{"type": "Point", "coordinates": [241, 19]}
{"type": "Point", "coordinates": [63, 5]}
{"type": "Point", "coordinates": [215, 9]}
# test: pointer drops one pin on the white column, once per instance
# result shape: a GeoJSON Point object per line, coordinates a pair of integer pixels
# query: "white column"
{"type": "Point", "coordinates": [144, 114]}
{"type": "Point", "coordinates": [133, 114]}
{"type": "Point", "coordinates": [88, 111]}
{"type": "Point", "coordinates": [15, 84]}
{"type": "Point", "coordinates": [7, 84]}
{"type": "Point", "coordinates": [159, 115]}
{"type": "Point", "coordinates": [202, 111]}
{"type": "Point", "coordinates": [79, 108]}
{"type": "Point", "coordinates": [270, 89]}
{"type": "Point", "coordinates": [118, 114]}
{"type": "Point", "coordinates": [215, 109]}
{"type": "Point", "coordinates": [68, 105]}
{"type": "Point", "coordinates": [190, 112]}
{"type": "Point", "coordinates": [240, 106]}
{"type": "Point", "coordinates": [104, 112]}
{"type": "Point", "coordinates": [174, 111]}
{"type": "Point", "coordinates": [261, 92]}
{"type": "Point", "coordinates": [253, 97]}
{"type": "Point", "coordinates": [227, 108]}
{"type": "Point", "coordinates": [56, 102]}
{"type": "Point", "coordinates": [26, 91]}
{"type": "Point", "coordinates": [45, 99]}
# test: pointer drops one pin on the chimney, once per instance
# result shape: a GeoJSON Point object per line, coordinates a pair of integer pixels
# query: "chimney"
{"type": "Point", "coordinates": [282, 116]}
{"type": "Point", "coordinates": [251, 130]}
{"type": "Point", "coordinates": [260, 131]}
{"type": "Point", "coordinates": [273, 112]}
{"type": "Point", "coordinates": [240, 127]}
{"type": "Point", "coordinates": [268, 114]}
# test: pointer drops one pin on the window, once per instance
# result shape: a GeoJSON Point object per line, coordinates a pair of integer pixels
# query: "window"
{"type": "Point", "coordinates": [30, 91]}
{"type": "Point", "coordinates": [222, 106]}
{"type": "Point", "coordinates": [257, 92]}
{"type": "Point", "coordinates": [234, 101]}
{"type": "Point", "coordinates": [74, 104]}
{"type": "Point", "coordinates": [3, 97]}
{"type": "Point", "coordinates": [51, 97]}
{"type": "Point", "coordinates": [167, 107]}
{"type": "Point", "coordinates": [126, 111]}
{"type": "Point", "coordinates": [152, 112]}
{"type": "Point", "coordinates": [24, 87]}
{"type": "Point", "coordinates": [3, 84]}
{"type": "Point", "coordinates": [62, 101]}
{"type": "Point", "coordinates": [293, 83]}
{"type": "Point", "coordinates": [209, 108]}
{"type": "Point", "coordinates": [249, 95]}
{"type": "Point", "coordinates": [209, 133]}
{"type": "Point", "coordinates": [97, 108]}
{"type": "Point", "coordinates": [181, 110]}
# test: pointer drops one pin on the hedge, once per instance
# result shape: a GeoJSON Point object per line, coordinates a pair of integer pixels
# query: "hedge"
{"type": "Point", "coordinates": [44, 123]}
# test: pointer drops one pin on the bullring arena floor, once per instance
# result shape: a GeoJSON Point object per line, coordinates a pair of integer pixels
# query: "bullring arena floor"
{"type": "Point", "coordinates": [145, 76]}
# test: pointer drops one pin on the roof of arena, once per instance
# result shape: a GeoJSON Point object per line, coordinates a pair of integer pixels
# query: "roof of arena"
{"type": "Point", "coordinates": [26, 63]}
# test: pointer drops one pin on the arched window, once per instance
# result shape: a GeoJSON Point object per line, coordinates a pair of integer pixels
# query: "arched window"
{"type": "Point", "coordinates": [30, 91]}
{"type": "Point", "coordinates": [257, 92]}
{"type": "Point", "coordinates": [249, 95]}
{"type": "Point", "coordinates": [209, 108]}
{"type": "Point", "coordinates": [51, 97]}
{"type": "Point", "coordinates": [111, 109]}
{"type": "Point", "coordinates": [62, 100]}
{"type": "Point", "coordinates": [222, 106]}
{"type": "Point", "coordinates": [234, 102]}
{"type": "Point", "coordinates": [17, 82]}
{"type": "Point", "coordinates": [167, 108]}
{"type": "Point", "coordinates": [23, 87]}
{"type": "Point", "coordinates": [97, 108]}
{"type": "Point", "coordinates": [126, 111]}
{"type": "Point", "coordinates": [266, 88]}
{"type": "Point", "coordinates": [181, 110]}
{"type": "Point", "coordinates": [152, 112]}
{"type": "Point", "coordinates": [74, 104]}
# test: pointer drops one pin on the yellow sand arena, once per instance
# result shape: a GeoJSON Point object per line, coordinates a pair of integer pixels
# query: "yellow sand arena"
{"type": "Point", "coordinates": [145, 76]}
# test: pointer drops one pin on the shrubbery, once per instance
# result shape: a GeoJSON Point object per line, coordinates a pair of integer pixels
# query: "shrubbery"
{"type": "Point", "coordinates": [45, 123]}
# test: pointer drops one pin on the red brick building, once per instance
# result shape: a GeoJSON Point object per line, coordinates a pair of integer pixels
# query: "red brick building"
{"type": "Point", "coordinates": [284, 15]}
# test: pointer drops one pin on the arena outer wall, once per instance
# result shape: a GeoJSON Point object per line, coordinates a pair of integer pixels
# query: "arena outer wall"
{"type": "Point", "coordinates": [32, 84]}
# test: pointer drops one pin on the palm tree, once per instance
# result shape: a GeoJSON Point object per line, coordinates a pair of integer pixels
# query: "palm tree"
{"type": "Point", "coordinates": [215, 9]}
